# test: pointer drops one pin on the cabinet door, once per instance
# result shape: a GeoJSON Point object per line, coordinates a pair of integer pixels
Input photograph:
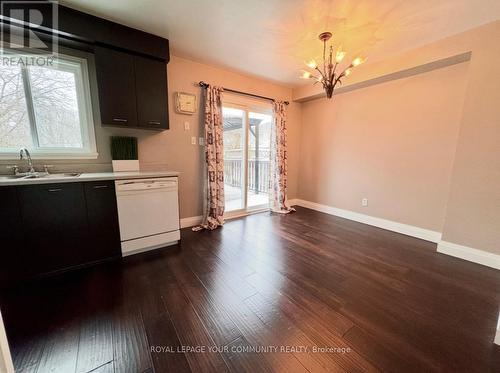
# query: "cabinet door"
{"type": "Point", "coordinates": [152, 97]}
{"type": "Point", "coordinates": [102, 214]}
{"type": "Point", "coordinates": [12, 249]}
{"type": "Point", "coordinates": [116, 80]}
{"type": "Point", "coordinates": [55, 225]}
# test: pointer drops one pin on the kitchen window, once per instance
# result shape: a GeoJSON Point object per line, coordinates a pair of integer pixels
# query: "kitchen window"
{"type": "Point", "coordinates": [46, 109]}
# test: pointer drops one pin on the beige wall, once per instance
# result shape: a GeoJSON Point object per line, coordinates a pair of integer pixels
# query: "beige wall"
{"type": "Point", "coordinates": [392, 143]}
{"type": "Point", "coordinates": [172, 149]}
{"type": "Point", "coordinates": [425, 150]}
{"type": "Point", "coordinates": [473, 211]}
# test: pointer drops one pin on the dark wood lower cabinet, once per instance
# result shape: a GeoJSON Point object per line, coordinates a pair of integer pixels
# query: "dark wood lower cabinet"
{"type": "Point", "coordinates": [102, 216]}
{"type": "Point", "coordinates": [55, 227]}
{"type": "Point", "coordinates": [11, 248]}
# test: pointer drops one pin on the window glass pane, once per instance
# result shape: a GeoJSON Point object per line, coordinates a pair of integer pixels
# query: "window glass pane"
{"type": "Point", "coordinates": [56, 108]}
{"type": "Point", "coordinates": [14, 121]}
{"type": "Point", "coordinates": [234, 137]}
{"type": "Point", "coordinates": [259, 149]}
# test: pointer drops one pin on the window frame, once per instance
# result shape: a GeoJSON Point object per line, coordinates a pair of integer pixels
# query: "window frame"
{"type": "Point", "coordinates": [80, 67]}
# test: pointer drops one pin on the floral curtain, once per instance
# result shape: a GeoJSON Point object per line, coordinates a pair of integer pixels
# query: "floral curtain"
{"type": "Point", "coordinates": [214, 155]}
{"type": "Point", "coordinates": [278, 185]}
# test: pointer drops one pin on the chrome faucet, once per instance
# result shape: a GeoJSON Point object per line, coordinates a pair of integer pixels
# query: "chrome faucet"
{"type": "Point", "coordinates": [24, 153]}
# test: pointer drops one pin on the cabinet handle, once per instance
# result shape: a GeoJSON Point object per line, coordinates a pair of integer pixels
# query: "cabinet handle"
{"type": "Point", "coordinates": [100, 186]}
{"type": "Point", "coordinates": [121, 120]}
{"type": "Point", "coordinates": [155, 122]}
{"type": "Point", "coordinates": [55, 190]}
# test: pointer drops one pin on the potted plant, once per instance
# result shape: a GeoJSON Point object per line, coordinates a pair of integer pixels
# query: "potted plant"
{"type": "Point", "coordinates": [124, 153]}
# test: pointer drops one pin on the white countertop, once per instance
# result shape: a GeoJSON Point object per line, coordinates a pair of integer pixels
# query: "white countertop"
{"type": "Point", "coordinates": [60, 178]}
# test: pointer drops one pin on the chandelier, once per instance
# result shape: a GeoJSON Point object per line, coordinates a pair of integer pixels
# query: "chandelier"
{"type": "Point", "coordinates": [327, 74]}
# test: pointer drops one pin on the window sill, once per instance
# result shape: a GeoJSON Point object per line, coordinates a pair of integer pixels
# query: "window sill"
{"type": "Point", "coordinates": [14, 156]}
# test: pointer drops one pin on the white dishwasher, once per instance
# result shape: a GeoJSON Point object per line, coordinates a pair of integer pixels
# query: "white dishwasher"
{"type": "Point", "coordinates": [148, 213]}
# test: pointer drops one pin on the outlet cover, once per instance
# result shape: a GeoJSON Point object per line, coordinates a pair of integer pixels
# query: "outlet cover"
{"type": "Point", "coordinates": [364, 202]}
{"type": "Point", "coordinates": [193, 140]}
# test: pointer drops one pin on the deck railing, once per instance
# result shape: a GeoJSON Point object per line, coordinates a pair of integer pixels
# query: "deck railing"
{"type": "Point", "coordinates": [258, 174]}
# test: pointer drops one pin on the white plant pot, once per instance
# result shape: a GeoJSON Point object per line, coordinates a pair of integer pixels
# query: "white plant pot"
{"type": "Point", "coordinates": [125, 165]}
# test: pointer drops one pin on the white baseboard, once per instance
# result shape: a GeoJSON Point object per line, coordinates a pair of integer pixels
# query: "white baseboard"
{"type": "Point", "coordinates": [191, 221]}
{"type": "Point", "coordinates": [459, 251]}
{"type": "Point", "coordinates": [470, 254]}
{"type": "Point", "coordinates": [497, 335]}
{"type": "Point", "coordinates": [409, 230]}
{"type": "Point", "coordinates": [5, 357]}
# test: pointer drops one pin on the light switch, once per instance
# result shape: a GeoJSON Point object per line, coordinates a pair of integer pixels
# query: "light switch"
{"type": "Point", "coordinates": [201, 141]}
{"type": "Point", "coordinates": [186, 126]}
{"type": "Point", "coordinates": [193, 140]}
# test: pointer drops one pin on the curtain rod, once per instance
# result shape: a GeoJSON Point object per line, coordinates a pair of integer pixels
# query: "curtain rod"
{"type": "Point", "coordinates": [205, 85]}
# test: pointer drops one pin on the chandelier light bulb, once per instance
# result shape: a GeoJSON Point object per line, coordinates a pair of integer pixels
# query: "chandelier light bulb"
{"type": "Point", "coordinates": [306, 75]}
{"type": "Point", "coordinates": [358, 61]}
{"type": "Point", "coordinates": [339, 56]}
{"type": "Point", "coordinates": [347, 72]}
{"type": "Point", "coordinates": [312, 64]}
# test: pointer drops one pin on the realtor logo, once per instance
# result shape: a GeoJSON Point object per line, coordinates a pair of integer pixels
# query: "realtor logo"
{"type": "Point", "coordinates": [26, 26]}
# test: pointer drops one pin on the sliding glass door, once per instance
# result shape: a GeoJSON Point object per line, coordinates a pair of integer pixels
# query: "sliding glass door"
{"type": "Point", "coordinates": [247, 140]}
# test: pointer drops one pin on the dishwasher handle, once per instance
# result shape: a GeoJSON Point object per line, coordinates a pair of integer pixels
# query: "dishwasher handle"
{"type": "Point", "coordinates": [142, 185]}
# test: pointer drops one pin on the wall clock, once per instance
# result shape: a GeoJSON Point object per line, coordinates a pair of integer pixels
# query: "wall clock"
{"type": "Point", "coordinates": [185, 103]}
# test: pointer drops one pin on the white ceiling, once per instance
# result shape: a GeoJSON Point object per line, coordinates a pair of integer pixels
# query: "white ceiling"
{"type": "Point", "coordinates": [273, 38]}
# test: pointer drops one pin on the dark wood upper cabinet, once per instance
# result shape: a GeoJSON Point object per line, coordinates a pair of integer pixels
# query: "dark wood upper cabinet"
{"type": "Point", "coordinates": [75, 26]}
{"type": "Point", "coordinates": [132, 90]}
{"type": "Point", "coordinates": [151, 92]}
{"type": "Point", "coordinates": [116, 80]}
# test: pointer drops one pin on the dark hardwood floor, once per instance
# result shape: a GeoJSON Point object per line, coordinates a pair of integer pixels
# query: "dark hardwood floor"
{"type": "Point", "coordinates": [384, 301]}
